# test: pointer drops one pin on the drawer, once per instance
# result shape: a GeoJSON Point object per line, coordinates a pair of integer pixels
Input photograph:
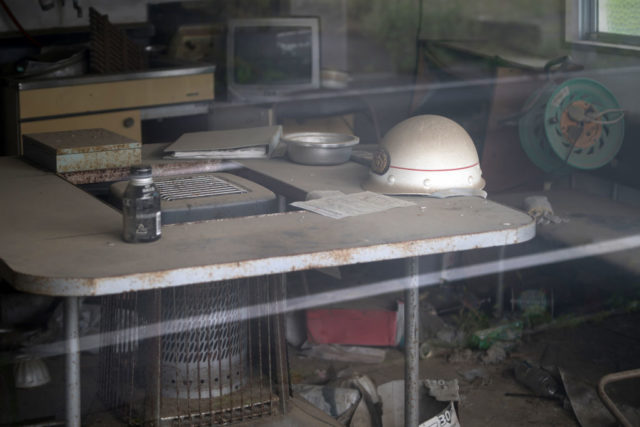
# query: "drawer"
{"type": "Point", "coordinates": [117, 95]}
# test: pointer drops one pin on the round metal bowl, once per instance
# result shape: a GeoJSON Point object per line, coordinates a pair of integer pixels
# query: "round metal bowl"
{"type": "Point", "coordinates": [319, 148]}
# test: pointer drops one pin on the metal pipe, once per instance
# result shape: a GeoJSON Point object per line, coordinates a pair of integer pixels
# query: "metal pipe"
{"type": "Point", "coordinates": [281, 345]}
{"type": "Point", "coordinates": [155, 367]}
{"type": "Point", "coordinates": [500, 288]}
{"type": "Point", "coordinates": [618, 376]}
{"type": "Point", "coordinates": [411, 347]}
{"type": "Point", "coordinates": [72, 361]}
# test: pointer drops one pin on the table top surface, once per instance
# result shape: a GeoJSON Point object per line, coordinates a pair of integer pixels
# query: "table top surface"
{"type": "Point", "coordinates": [57, 239]}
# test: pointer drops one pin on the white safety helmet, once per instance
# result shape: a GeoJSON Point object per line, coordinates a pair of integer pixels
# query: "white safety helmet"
{"type": "Point", "coordinates": [426, 155]}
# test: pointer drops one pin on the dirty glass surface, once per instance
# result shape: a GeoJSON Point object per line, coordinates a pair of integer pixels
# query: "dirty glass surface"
{"type": "Point", "coordinates": [619, 17]}
{"type": "Point", "coordinates": [524, 332]}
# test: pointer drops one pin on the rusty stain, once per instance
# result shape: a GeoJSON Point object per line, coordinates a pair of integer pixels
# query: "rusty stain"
{"type": "Point", "coordinates": [96, 174]}
{"type": "Point", "coordinates": [581, 134]}
{"type": "Point", "coordinates": [190, 167]}
{"type": "Point", "coordinates": [237, 269]}
{"type": "Point", "coordinates": [352, 252]}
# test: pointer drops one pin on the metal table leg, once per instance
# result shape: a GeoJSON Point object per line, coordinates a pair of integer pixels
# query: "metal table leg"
{"type": "Point", "coordinates": [72, 356]}
{"type": "Point", "coordinates": [412, 344]}
{"type": "Point", "coordinates": [500, 288]}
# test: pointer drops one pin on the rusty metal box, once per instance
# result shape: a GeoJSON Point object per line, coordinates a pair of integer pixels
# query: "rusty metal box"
{"type": "Point", "coordinates": [81, 150]}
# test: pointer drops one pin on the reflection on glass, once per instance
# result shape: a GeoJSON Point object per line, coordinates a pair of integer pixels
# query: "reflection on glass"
{"type": "Point", "coordinates": [269, 55]}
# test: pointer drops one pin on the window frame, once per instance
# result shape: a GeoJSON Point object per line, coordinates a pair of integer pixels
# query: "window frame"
{"type": "Point", "coordinates": [581, 24]}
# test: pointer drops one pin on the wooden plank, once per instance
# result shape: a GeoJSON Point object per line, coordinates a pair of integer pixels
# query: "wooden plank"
{"type": "Point", "coordinates": [127, 94]}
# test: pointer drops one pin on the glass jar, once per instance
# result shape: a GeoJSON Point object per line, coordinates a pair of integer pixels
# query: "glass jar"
{"type": "Point", "coordinates": [141, 215]}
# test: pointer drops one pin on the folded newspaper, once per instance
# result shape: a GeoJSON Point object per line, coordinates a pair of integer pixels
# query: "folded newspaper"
{"type": "Point", "coordinates": [258, 142]}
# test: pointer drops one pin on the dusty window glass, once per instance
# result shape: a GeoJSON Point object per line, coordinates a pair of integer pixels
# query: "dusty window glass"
{"type": "Point", "coordinates": [619, 17]}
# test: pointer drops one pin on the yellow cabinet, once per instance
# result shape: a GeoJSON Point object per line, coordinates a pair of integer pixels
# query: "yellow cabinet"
{"type": "Point", "coordinates": [112, 102]}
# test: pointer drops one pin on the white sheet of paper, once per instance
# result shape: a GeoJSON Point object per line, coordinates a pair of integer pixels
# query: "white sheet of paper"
{"type": "Point", "coordinates": [352, 204]}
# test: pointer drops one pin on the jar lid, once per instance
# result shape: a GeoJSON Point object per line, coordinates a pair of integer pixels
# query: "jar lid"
{"type": "Point", "coordinates": [140, 171]}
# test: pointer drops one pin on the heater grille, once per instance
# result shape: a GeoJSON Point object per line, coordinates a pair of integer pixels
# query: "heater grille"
{"type": "Point", "coordinates": [204, 328]}
{"type": "Point", "coordinates": [199, 355]}
{"type": "Point", "coordinates": [190, 187]}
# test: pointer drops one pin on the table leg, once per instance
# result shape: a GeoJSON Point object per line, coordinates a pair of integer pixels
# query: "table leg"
{"type": "Point", "coordinates": [72, 356]}
{"type": "Point", "coordinates": [151, 348]}
{"type": "Point", "coordinates": [498, 311]}
{"type": "Point", "coordinates": [412, 344]}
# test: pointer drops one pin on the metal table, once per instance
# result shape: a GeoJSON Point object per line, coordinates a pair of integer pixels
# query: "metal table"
{"type": "Point", "coordinates": [56, 239]}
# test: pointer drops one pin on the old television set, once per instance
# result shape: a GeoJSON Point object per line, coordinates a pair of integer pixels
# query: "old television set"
{"type": "Point", "coordinates": [268, 58]}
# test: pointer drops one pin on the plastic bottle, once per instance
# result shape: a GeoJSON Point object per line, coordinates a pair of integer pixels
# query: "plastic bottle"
{"type": "Point", "coordinates": [485, 338]}
{"type": "Point", "coordinates": [536, 379]}
{"type": "Point", "coordinates": [141, 215]}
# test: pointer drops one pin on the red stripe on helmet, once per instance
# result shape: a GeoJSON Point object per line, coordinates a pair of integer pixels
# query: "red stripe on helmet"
{"type": "Point", "coordinates": [435, 170]}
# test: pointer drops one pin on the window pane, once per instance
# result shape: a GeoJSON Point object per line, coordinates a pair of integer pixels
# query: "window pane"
{"type": "Point", "coordinates": [619, 16]}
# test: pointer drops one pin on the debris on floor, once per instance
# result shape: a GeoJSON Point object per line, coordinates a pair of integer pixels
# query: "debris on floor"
{"type": "Point", "coordinates": [485, 338]}
{"type": "Point", "coordinates": [362, 417]}
{"type": "Point", "coordinates": [497, 353]}
{"type": "Point", "coordinates": [584, 400]}
{"type": "Point", "coordinates": [541, 210]}
{"type": "Point", "coordinates": [471, 375]}
{"type": "Point", "coordinates": [443, 390]}
{"type": "Point", "coordinates": [536, 379]}
{"type": "Point", "coordinates": [460, 355]}
{"type": "Point", "coordinates": [344, 353]}
{"type": "Point", "coordinates": [447, 418]}
{"type": "Point", "coordinates": [492, 358]}
{"type": "Point", "coordinates": [334, 401]}
{"type": "Point", "coordinates": [433, 412]}
{"type": "Point", "coordinates": [370, 406]}
{"type": "Point", "coordinates": [352, 401]}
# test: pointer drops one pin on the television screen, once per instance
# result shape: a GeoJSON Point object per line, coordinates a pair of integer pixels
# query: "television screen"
{"type": "Point", "coordinates": [272, 56]}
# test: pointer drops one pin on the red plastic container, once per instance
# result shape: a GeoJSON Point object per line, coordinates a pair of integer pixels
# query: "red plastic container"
{"type": "Point", "coordinates": [352, 327]}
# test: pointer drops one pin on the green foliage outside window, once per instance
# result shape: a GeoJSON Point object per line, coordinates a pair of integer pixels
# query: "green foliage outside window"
{"type": "Point", "coordinates": [619, 17]}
